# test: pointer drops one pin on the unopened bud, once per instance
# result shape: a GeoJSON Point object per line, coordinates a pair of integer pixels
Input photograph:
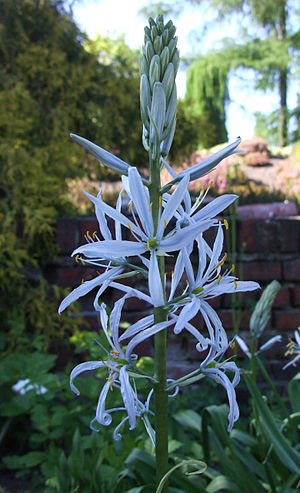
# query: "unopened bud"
{"type": "Point", "coordinates": [261, 314]}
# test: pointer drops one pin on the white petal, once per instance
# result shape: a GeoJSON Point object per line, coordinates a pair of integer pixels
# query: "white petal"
{"type": "Point", "coordinates": [111, 248]}
{"type": "Point", "coordinates": [102, 155]}
{"type": "Point", "coordinates": [243, 346]}
{"type": "Point", "coordinates": [214, 207]}
{"type": "Point", "coordinates": [141, 200]}
{"type": "Point", "coordinates": [270, 343]}
{"type": "Point", "coordinates": [145, 334]}
{"type": "Point", "coordinates": [154, 282]}
{"type": "Point", "coordinates": [128, 397]}
{"type": "Point", "coordinates": [89, 365]}
{"type": "Point", "coordinates": [87, 286]}
{"type": "Point", "coordinates": [187, 313]}
{"type": "Point", "coordinates": [184, 236]}
{"type": "Point", "coordinates": [140, 325]}
{"type": "Point", "coordinates": [174, 201]}
{"type": "Point", "coordinates": [103, 417]}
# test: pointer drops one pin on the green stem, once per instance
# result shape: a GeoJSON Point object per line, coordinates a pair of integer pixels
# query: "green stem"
{"type": "Point", "coordinates": [160, 346]}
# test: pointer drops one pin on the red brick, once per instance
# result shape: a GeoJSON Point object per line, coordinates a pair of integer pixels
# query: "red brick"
{"type": "Point", "coordinates": [296, 295]}
{"type": "Point", "coordinates": [145, 348]}
{"type": "Point", "coordinates": [248, 299]}
{"type": "Point", "coordinates": [287, 319]}
{"type": "Point", "coordinates": [262, 271]}
{"type": "Point", "coordinates": [289, 234]}
{"type": "Point", "coordinates": [72, 276]}
{"type": "Point", "coordinates": [283, 298]}
{"type": "Point", "coordinates": [67, 235]}
{"type": "Point", "coordinates": [267, 235]}
{"type": "Point", "coordinates": [247, 235]}
{"type": "Point", "coordinates": [291, 270]}
{"type": "Point", "coordinates": [226, 319]}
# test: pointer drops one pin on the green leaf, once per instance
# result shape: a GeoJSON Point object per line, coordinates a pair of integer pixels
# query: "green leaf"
{"type": "Point", "coordinates": [222, 483]}
{"type": "Point", "coordinates": [286, 454]}
{"type": "Point", "coordinates": [294, 392]}
{"type": "Point", "coordinates": [189, 419]}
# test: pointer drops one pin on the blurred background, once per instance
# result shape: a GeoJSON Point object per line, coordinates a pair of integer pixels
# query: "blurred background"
{"type": "Point", "coordinates": [73, 66]}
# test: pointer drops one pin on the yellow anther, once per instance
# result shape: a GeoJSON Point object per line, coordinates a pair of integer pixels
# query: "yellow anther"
{"type": "Point", "coordinates": [88, 236]}
{"type": "Point", "coordinates": [235, 284]}
{"type": "Point", "coordinates": [100, 285]}
{"type": "Point", "coordinates": [130, 206]}
{"type": "Point", "coordinates": [115, 354]}
{"type": "Point", "coordinates": [82, 281]}
{"type": "Point", "coordinates": [160, 201]}
{"type": "Point", "coordinates": [129, 226]}
{"type": "Point", "coordinates": [202, 191]}
{"type": "Point", "coordinates": [219, 278]}
{"type": "Point", "coordinates": [148, 245]}
{"type": "Point", "coordinates": [210, 184]}
{"type": "Point", "coordinates": [83, 263]}
{"type": "Point", "coordinates": [226, 224]}
{"type": "Point", "coordinates": [233, 268]}
{"type": "Point", "coordinates": [110, 382]}
{"type": "Point", "coordinates": [222, 262]}
{"type": "Point", "coordinates": [94, 234]}
{"type": "Point", "coordinates": [165, 223]}
{"type": "Point", "coordinates": [232, 345]}
{"type": "Point", "coordinates": [150, 206]}
{"type": "Point", "coordinates": [77, 258]}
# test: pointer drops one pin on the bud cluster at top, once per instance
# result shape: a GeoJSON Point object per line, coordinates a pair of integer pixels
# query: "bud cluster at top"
{"type": "Point", "coordinates": [159, 65]}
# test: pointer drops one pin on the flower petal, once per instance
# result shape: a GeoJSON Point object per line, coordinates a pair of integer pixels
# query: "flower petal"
{"type": "Point", "coordinates": [141, 201]}
{"type": "Point", "coordinates": [111, 248]}
{"type": "Point", "coordinates": [213, 208]}
{"type": "Point", "coordinates": [154, 282]}
{"type": "Point", "coordinates": [88, 366]}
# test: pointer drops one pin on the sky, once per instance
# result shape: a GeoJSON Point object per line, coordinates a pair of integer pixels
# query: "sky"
{"type": "Point", "coordinates": [115, 17]}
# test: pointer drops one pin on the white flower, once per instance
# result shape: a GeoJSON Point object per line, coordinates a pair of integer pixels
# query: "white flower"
{"type": "Point", "coordinates": [293, 348]}
{"type": "Point", "coordinates": [118, 364]}
{"type": "Point", "coordinates": [207, 283]}
{"type": "Point", "coordinates": [142, 226]}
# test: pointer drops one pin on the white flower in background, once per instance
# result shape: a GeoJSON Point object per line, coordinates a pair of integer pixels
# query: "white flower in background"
{"type": "Point", "coordinates": [293, 348]}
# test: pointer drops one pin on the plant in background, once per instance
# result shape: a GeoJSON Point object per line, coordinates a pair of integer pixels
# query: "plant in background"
{"type": "Point", "coordinates": [162, 223]}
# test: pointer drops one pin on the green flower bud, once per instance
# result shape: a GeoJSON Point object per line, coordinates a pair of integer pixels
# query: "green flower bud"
{"type": "Point", "coordinates": [164, 59]}
{"type": "Point", "coordinates": [169, 80]}
{"type": "Point", "coordinates": [154, 71]}
{"type": "Point", "coordinates": [157, 45]}
{"type": "Point", "coordinates": [262, 312]}
{"type": "Point", "coordinates": [149, 51]}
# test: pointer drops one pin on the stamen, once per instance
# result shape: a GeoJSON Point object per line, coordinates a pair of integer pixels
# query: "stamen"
{"type": "Point", "coordinates": [150, 206]}
{"type": "Point", "coordinates": [232, 345]}
{"type": "Point", "coordinates": [226, 224]}
{"type": "Point", "coordinates": [82, 281]}
{"type": "Point", "coordinates": [160, 201]}
{"type": "Point", "coordinates": [210, 184]}
{"type": "Point", "coordinates": [129, 226]}
{"type": "Point", "coordinates": [77, 258]}
{"type": "Point", "coordinates": [165, 223]}
{"type": "Point", "coordinates": [94, 234]}
{"type": "Point", "coordinates": [222, 262]}
{"type": "Point", "coordinates": [233, 268]}
{"type": "Point", "coordinates": [130, 206]}
{"type": "Point", "coordinates": [148, 245]}
{"type": "Point", "coordinates": [235, 284]}
{"type": "Point", "coordinates": [202, 191]}
{"type": "Point", "coordinates": [219, 278]}
{"type": "Point", "coordinates": [82, 261]}
{"type": "Point", "coordinates": [110, 382]}
{"type": "Point", "coordinates": [88, 236]}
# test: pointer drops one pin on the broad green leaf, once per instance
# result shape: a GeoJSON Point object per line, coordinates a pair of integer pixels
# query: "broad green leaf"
{"type": "Point", "coordinates": [189, 419]}
{"type": "Point", "coordinates": [294, 392]}
{"type": "Point", "coordinates": [222, 483]}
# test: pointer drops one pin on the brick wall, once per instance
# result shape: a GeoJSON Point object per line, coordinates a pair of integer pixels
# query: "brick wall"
{"type": "Point", "coordinates": [268, 248]}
